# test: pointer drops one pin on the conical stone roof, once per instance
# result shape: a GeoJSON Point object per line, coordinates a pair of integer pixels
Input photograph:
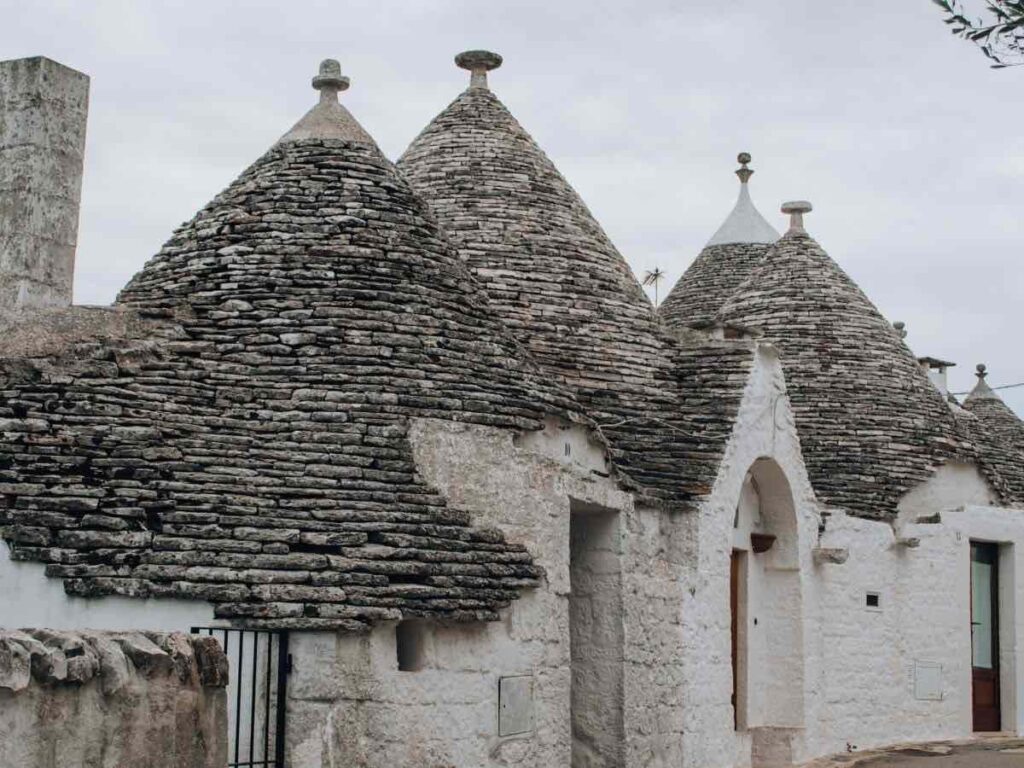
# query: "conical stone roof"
{"type": "Point", "coordinates": [725, 262]}
{"type": "Point", "coordinates": [871, 424]}
{"type": "Point", "coordinates": [560, 284]}
{"type": "Point", "coordinates": [1000, 440]}
{"type": "Point", "coordinates": [531, 241]}
{"type": "Point", "coordinates": [250, 447]}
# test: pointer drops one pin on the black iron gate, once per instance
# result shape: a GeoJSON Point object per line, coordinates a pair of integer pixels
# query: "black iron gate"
{"type": "Point", "coordinates": [257, 688]}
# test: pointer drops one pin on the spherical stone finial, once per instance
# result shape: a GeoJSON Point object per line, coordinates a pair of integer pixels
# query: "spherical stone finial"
{"type": "Point", "coordinates": [901, 329]}
{"type": "Point", "coordinates": [330, 80]}
{"type": "Point", "coordinates": [743, 172]}
{"type": "Point", "coordinates": [982, 371]}
{"type": "Point", "coordinates": [479, 63]}
{"type": "Point", "coordinates": [796, 210]}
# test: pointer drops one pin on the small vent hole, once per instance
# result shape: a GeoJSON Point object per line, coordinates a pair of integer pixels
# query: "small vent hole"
{"type": "Point", "coordinates": [873, 600]}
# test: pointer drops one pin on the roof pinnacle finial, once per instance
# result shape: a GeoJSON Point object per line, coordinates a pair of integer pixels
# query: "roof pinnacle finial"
{"type": "Point", "coordinates": [796, 210]}
{"type": "Point", "coordinates": [901, 329]}
{"type": "Point", "coordinates": [743, 172]}
{"type": "Point", "coordinates": [479, 63]}
{"type": "Point", "coordinates": [330, 80]}
{"type": "Point", "coordinates": [982, 371]}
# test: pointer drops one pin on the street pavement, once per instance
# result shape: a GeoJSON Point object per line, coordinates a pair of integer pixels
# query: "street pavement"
{"type": "Point", "coordinates": [994, 752]}
{"type": "Point", "coordinates": [962, 760]}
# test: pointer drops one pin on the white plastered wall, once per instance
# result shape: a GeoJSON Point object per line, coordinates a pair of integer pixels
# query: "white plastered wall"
{"type": "Point", "coordinates": [779, 665]}
{"type": "Point", "coordinates": [871, 657]}
{"type": "Point", "coordinates": [31, 599]}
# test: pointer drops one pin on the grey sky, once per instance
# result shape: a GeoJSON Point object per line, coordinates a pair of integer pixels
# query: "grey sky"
{"type": "Point", "coordinates": [908, 145]}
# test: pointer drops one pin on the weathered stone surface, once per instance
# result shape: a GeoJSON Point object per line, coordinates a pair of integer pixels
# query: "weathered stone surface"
{"type": "Point", "coordinates": [234, 430]}
{"type": "Point", "coordinates": [999, 435]}
{"type": "Point", "coordinates": [15, 665]}
{"type": "Point", "coordinates": [104, 710]}
{"type": "Point", "coordinates": [664, 406]}
{"type": "Point", "coordinates": [43, 107]}
{"type": "Point", "coordinates": [713, 277]}
{"type": "Point", "coordinates": [211, 662]}
{"type": "Point", "coordinates": [830, 555]}
{"type": "Point", "coordinates": [872, 426]}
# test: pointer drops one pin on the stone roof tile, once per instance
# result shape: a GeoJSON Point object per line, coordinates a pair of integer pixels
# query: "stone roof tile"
{"type": "Point", "coordinates": [871, 423]}
{"type": "Point", "coordinates": [999, 436]}
{"type": "Point", "coordinates": [725, 262]}
{"type": "Point", "coordinates": [558, 282]}
{"type": "Point", "coordinates": [235, 429]}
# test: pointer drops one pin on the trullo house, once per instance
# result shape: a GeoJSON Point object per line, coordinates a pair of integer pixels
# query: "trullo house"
{"type": "Point", "coordinates": [411, 441]}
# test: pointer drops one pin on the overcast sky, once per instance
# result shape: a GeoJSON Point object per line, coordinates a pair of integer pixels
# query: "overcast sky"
{"type": "Point", "coordinates": [908, 145]}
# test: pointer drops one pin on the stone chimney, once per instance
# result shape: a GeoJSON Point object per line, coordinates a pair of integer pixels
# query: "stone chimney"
{"type": "Point", "coordinates": [43, 108]}
{"type": "Point", "coordinates": [937, 371]}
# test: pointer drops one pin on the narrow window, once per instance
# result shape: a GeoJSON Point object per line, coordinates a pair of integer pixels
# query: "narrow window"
{"type": "Point", "coordinates": [410, 637]}
{"type": "Point", "coordinates": [873, 600]}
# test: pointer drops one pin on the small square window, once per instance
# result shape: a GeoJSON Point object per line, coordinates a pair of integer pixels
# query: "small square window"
{"type": "Point", "coordinates": [873, 601]}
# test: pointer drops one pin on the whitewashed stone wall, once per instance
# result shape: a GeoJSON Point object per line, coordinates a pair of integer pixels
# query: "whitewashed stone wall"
{"type": "Point", "coordinates": [658, 549]}
{"type": "Point", "coordinates": [349, 703]}
{"type": "Point", "coordinates": [763, 431]}
{"type": "Point", "coordinates": [824, 672]}
{"type": "Point", "coordinates": [871, 657]}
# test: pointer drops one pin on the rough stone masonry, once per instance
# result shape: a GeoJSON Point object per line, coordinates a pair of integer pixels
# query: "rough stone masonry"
{"type": "Point", "coordinates": [111, 700]}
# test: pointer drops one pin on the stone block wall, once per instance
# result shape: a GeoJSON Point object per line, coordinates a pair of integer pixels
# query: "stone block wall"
{"type": "Point", "coordinates": [352, 705]}
{"type": "Point", "coordinates": [111, 700]}
{"type": "Point", "coordinates": [43, 108]}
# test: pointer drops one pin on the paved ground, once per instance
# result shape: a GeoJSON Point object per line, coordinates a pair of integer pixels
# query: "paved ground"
{"type": "Point", "coordinates": [963, 760]}
{"type": "Point", "coordinates": [996, 752]}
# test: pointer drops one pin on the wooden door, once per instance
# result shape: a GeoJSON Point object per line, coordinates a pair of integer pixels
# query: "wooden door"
{"type": "Point", "coordinates": [734, 606]}
{"type": "Point", "coordinates": [985, 636]}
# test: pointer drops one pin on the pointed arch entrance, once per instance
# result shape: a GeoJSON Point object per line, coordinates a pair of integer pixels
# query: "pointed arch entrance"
{"type": "Point", "coordinates": [766, 600]}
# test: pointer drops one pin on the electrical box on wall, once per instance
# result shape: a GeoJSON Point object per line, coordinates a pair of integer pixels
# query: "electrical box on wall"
{"type": "Point", "coordinates": [927, 681]}
{"type": "Point", "coordinates": [515, 705]}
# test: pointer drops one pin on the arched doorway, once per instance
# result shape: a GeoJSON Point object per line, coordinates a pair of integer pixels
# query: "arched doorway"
{"type": "Point", "coordinates": [766, 598]}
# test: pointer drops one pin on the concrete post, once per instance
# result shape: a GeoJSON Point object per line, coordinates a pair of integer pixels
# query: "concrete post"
{"type": "Point", "coordinates": [43, 109]}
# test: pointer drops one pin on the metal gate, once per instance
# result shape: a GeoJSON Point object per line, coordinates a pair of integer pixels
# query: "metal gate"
{"type": "Point", "coordinates": [259, 665]}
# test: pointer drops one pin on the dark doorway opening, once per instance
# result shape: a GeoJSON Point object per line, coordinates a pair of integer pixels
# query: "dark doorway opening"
{"type": "Point", "coordinates": [738, 636]}
{"type": "Point", "coordinates": [596, 637]}
{"type": "Point", "coordinates": [985, 636]}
